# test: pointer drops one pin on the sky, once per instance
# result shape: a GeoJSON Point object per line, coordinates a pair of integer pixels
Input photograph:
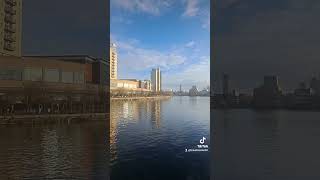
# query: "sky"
{"type": "Point", "coordinates": [171, 34]}
{"type": "Point", "coordinates": [65, 27]}
{"type": "Point", "coordinates": [254, 38]}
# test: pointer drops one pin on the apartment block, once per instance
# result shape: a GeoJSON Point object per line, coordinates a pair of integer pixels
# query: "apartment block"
{"type": "Point", "coordinates": [113, 62]}
{"type": "Point", "coordinates": [10, 27]}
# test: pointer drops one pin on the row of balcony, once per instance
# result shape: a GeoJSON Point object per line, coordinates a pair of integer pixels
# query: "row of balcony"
{"type": "Point", "coordinates": [11, 2]}
{"type": "Point", "coordinates": [10, 28]}
{"type": "Point", "coordinates": [9, 46]}
{"type": "Point", "coordinates": [9, 19]}
{"type": "Point", "coordinates": [9, 37]}
{"type": "Point", "coordinates": [10, 10]}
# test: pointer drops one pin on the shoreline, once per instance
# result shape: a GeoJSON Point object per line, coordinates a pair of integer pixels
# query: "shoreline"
{"type": "Point", "coordinates": [52, 118]}
{"type": "Point", "coordinates": [141, 98]}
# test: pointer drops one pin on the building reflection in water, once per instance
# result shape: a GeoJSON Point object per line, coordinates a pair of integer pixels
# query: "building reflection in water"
{"type": "Point", "coordinates": [180, 99]}
{"type": "Point", "coordinates": [116, 107]}
{"type": "Point", "coordinates": [129, 113]}
{"type": "Point", "coordinates": [193, 100]}
{"type": "Point", "coordinates": [50, 153]}
{"type": "Point", "coordinates": [156, 113]}
{"type": "Point", "coordinates": [125, 110]}
{"type": "Point", "coordinates": [147, 139]}
{"type": "Point", "coordinates": [54, 151]}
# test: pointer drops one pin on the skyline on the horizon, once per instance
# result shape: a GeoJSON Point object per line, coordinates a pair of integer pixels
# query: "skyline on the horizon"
{"type": "Point", "coordinates": [172, 35]}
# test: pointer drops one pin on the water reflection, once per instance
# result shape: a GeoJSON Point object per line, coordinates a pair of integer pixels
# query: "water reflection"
{"type": "Point", "coordinates": [156, 113]}
{"type": "Point", "coordinates": [149, 137]}
{"type": "Point", "coordinates": [75, 151]}
{"type": "Point", "coordinates": [193, 100]}
{"type": "Point", "coordinates": [275, 145]}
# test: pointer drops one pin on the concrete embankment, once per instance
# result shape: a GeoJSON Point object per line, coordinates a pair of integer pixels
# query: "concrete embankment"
{"type": "Point", "coordinates": [141, 98]}
{"type": "Point", "coordinates": [53, 118]}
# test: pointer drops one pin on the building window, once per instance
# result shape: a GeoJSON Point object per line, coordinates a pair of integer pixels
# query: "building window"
{"type": "Point", "coordinates": [10, 74]}
{"type": "Point", "coordinates": [120, 85]}
{"type": "Point", "coordinates": [114, 84]}
{"type": "Point", "coordinates": [79, 77]}
{"type": "Point", "coordinates": [67, 77]}
{"type": "Point", "coordinates": [32, 74]}
{"type": "Point", "coordinates": [51, 75]}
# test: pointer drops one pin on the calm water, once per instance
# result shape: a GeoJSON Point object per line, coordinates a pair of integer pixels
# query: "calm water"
{"type": "Point", "coordinates": [75, 151]}
{"type": "Point", "coordinates": [148, 139]}
{"type": "Point", "coordinates": [266, 145]}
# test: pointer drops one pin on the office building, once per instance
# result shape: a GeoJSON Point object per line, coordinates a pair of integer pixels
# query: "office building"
{"type": "Point", "coordinates": [269, 95]}
{"type": "Point", "coordinates": [193, 91]}
{"type": "Point", "coordinates": [100, 72]}
{"type": "Point", "coordinates": [225, 84]}
{"type": "Point", "coordinates": [113, 61]}
{"type": "Point", "coordinates": [145, 84]}
{"type": "Point", "coordinates": [156, 80]}
{"type": "Point", "coordinates": [10, 27]}
{"type": "Point", "coordinates": [28, 82]}
{"type": "Point", "coordinates": [129, 85]}
{"type": "Point", "coordinates": [315, 86]}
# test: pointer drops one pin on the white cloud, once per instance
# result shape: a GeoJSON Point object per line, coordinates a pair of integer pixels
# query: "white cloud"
{"type": "Point", "coordinates": [190, 44]}
{"type": "Point", "coordinates": [198, 10]}
{"type": "Point", "coordinates": [179, 64]}
{"type": "Point", "coordinates": [197, 74]}
{"type": "Point", "coordinates": [121, 20]}
{"type": "Point", "coordinates": [136, 58]}
{"type": "Point", "coordinates": [206, 20]}
{"type": "Point", "coordinates": [153, 7]}
{"type": "Point", "coordinates": [192, 8]}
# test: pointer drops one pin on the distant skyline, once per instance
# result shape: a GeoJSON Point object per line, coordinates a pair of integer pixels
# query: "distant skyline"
{"type": "Point", "coordinates": [171, 34]}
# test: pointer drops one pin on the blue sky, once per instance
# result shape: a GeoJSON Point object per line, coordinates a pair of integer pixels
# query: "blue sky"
{"type": "Point", "coordinates": [171, 34]}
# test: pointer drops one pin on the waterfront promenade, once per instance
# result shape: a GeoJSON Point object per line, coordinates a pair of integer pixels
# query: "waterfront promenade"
{"type": "Point", "coordinates": [141, 98]}
{"type": "Point", "coordinates": [52, 118]}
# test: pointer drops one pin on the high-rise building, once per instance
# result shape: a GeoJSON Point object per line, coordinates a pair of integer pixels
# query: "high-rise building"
{"type": "Point", "coordinates": [268, 95]}
{"type": "Point", "coordinates": [156, 80]}
{"type": "Point", "coordinates": [113, 61]}
{"type": "Point", "coordinates": [193, 91]}
{"type": "Point", "coordinates": [225, 85]}
{"type": "Point", "coordinates": [10, 27]}
{"type": "Point", "coordinates": [315, 85]}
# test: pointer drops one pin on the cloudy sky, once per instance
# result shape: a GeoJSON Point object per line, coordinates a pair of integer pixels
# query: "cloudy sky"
{"type": "Point", "coordinates": [64, 27]}
{"type": "Point", "coordinates": [254, 38]}
{"type": "Point", "coordinates": [171, 34]}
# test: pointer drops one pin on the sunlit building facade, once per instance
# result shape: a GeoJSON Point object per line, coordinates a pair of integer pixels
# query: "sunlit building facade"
{"type": "Point", "coordinates": [156, 80]}
{"type": "Point", "coordinates": [113, 61]}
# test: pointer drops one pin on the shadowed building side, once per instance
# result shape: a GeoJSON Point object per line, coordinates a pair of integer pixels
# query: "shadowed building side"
{"type": "Point", "coordinates": [268, 95]}
{"type": "Point", "coordinates": [26, 83]}
{"type": "Point", "coordinates": [10, 27]}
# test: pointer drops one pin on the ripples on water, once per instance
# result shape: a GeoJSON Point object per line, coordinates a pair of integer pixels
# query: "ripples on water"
{"type": "Point", "coordinates": [75, 151]}
{"type": "Point", "coordinates": [148, 138]}
{"type": "Point", "coordinates": [266, 145]}
{"type": "Point", "coordinates": [147, 141]}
